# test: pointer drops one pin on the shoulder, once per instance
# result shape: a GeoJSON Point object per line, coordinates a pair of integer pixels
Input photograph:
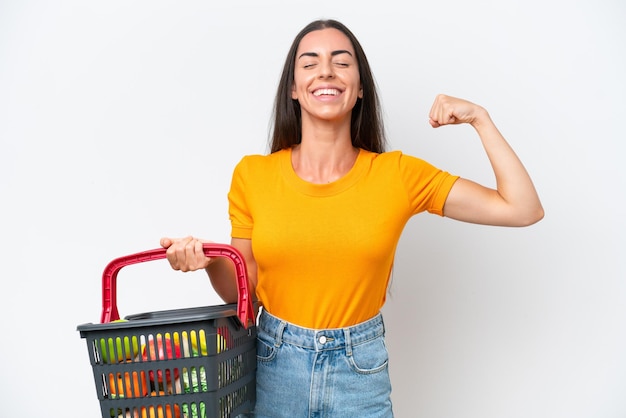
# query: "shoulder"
{"type": "Point", "coordinates": [259, 161]}
{"type": "Point", "coordinates": [396, 158]}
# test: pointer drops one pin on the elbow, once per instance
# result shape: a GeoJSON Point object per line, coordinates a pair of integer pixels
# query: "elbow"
{"type": "Point", "coordinates": [531, 217]}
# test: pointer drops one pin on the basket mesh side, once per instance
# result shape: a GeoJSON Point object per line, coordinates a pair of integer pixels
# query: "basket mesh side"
{"type": "Point", "coordinates": [199, 369]}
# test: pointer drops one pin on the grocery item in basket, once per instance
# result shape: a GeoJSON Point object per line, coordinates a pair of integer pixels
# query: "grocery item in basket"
{"type": "Point", "coordinates": [114, 351]}
{"type": "Point", "coordinates": [161, 412]}
{"type": "Point", "coordinates": [194, 411]}
{"type": "Point", "coordinates": [194, 381]}
{"type": "Point", "coordinates": [198, 343]}
{"type": "Point", "coordinates": [164, 348]}
{"type": "Point", "coordinates": [221, 344]}
{"type": "Point", "coordinates": [127, 385]}
{"type": "Point", "coordinates": [198, 348]}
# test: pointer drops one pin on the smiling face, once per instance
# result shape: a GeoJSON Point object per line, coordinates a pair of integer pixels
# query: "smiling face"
{"type": "Point", "coordinates": [326, 78]}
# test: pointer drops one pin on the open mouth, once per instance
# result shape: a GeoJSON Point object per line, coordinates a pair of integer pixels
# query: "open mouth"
{"type": "Point", "coordinates": [326, 92]}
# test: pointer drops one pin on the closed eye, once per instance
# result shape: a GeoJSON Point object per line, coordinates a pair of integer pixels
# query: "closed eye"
{"type": "Point", "coordinates": [314, 55]}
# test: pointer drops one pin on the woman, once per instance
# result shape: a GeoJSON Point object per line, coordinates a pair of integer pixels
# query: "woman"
{"type": "Point", "coordinates": [318, 221]}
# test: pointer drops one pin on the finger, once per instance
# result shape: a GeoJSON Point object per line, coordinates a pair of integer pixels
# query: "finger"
{"type": "Point", "coordinates": [194, 255]}
{"type": "Point", "coordinates": [190, 249]}
{"type": "Point", "coordinates": [450, 118]}
{"type": "Point", "coordinates": [173, 253]}
{"type": "Point", "coordinates": [166, 242]}
{"type": "Point", "coordinates": [446, 115]}
{"type": "Point", "coordinates": [199, 247]}
{"type": "Point", "coordinates": [170, 255]}
{"type": "Point", "coordinates": [446, 111]}
{"type": "Point", "coordinates": [441, 111]}
{"type": "Point", "coordinates": [433, 114]}
{"type": "Point", "coordinates": [183, 250]}
{"type": "Point", "coordinates": [203, 260]}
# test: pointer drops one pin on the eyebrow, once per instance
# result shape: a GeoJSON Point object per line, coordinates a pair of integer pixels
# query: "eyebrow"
{"type": "Point", "coordinates": [332, 54]}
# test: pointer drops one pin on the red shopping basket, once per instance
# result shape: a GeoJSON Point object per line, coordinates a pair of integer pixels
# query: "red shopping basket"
{"type": "Point", "coordinates": [184, 363]}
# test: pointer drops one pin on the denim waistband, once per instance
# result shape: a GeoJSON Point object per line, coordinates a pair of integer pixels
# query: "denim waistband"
{"type": "Point", "coordinates": [320, 339]}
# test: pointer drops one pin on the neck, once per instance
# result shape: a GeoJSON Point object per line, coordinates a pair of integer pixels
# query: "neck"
{"type": "Point", "coordinates": [323, 162]}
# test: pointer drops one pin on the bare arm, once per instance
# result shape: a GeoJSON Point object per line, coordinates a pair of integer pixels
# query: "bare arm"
{"type": "Point", "coordinates": [514, 202]}
{"type": "Point", "coordinates": [186, 254]}
{"type": "Point", "coordinates": [222, 272]}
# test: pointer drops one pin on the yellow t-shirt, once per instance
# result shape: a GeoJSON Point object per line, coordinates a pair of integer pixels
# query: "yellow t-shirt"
{"type": "Point", "coordinates": [325, 251]}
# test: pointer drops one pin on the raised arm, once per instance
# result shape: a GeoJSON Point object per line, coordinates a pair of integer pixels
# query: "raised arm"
{"type": "Point", "coordinates": [514, 202]}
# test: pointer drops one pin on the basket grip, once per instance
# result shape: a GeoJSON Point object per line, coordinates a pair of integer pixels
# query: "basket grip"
{"type": "Point", "coordinates": [245, 310]}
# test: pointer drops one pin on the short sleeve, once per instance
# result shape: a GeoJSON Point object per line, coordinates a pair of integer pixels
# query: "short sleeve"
{"type": "Point", "coordinates": [238, 208]}
{"type": "Point", "coordinates": [427, 186]}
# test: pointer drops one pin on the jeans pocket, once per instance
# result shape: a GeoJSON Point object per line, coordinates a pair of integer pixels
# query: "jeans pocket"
{"type": "Point", "coordinates": [265, 351]}
{"type": "Point", "coordinates": [369, 357]}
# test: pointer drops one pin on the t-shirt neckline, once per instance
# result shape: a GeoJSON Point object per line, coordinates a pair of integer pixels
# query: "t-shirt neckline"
{"type": "Point", "coordinates": [315, 189]}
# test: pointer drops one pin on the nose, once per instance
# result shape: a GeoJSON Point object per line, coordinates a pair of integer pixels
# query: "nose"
{"type": "Point", "coordinates": [326, 69]}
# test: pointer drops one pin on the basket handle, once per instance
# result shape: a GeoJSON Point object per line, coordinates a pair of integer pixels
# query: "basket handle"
{"type": "Point", "coordinates": [245, 310]}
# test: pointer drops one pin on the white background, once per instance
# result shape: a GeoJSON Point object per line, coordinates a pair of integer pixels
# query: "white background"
{"type": "Point", "coordinates": [121, 122]}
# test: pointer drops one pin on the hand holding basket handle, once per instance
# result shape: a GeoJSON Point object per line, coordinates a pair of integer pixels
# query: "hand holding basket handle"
{"type": "Point", "coordinates": [245, 310]}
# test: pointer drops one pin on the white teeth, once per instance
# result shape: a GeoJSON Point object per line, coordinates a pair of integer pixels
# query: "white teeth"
{"type": "Point", "coordinates": [326, 92]}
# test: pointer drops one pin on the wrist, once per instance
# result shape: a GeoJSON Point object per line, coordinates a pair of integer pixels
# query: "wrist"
{"type": "Point", "coordinates": [481, 118]}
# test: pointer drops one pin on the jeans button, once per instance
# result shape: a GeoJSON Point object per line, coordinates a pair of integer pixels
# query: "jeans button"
{"type": "Point", "coordinates": [322, 339]}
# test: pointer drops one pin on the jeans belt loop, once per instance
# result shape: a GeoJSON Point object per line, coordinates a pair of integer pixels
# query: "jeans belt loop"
{"type": "Point", "coordinates": [279, 333]}
{"type": "Point", "coordinates": [346, 333]}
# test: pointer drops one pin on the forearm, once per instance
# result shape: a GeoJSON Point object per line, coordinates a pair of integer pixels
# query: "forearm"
{"type": "Point", "coordinates": [223, 278]}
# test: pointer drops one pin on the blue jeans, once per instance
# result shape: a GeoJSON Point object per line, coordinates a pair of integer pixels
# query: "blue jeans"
{"type": "Point", "coordinates": [334, 373]}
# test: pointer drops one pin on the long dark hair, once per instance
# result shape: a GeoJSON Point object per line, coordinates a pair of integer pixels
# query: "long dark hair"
{"type": "Point", "coordinates": [366, 127]}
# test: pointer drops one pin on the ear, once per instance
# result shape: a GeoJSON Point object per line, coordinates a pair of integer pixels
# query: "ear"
{"type": "Point", "coordinates": [294, 95]}
{"type": "Point", "coordinates": [360, 95]}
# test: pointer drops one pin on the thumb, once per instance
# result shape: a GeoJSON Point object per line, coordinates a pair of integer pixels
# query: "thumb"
{"type": "Point", "coordinates": [166, 242]}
